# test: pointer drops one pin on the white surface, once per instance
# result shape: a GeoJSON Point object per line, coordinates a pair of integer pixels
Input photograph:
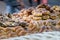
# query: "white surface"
{"type": "Point", "coordinates": [40, 36]}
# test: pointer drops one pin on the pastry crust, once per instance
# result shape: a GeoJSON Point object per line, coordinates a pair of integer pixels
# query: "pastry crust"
{"type": "Point", "coordinates": [37, 14]}
{"type": "Point", "coordinates": [37, 18]}
{"type": "Point", "coordinates": [53, 17]}
{"type": "Point", "coordinates": [45, 17]}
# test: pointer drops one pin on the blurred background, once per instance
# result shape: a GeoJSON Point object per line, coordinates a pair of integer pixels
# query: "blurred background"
{"type": "Point", "coordinates": [26, 4]}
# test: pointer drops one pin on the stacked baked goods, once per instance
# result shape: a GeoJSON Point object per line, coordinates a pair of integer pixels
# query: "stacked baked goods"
{"type": "Point", "coordinates": [42, 18]}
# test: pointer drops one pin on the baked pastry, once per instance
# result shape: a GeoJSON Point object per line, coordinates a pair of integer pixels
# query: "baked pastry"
{"type": "Point", "coordinates": [58, 25]}
{"type": "Point", "coordinates": [47, 7]}
{"type": "Point", "coordinates": [33, 28]}
{"type": "Point", "coordinates": [45, 29]}
{"type": "Point", "coordinates": [30, 16]}
{"type": "Point", "coordinates": [58, 16]}
{"type": "Point", "coordinates": [57, 8]}
{"type": "Point", "coordinates": [22, 32]}
{"type": "Point", "coordinates": [46, 12]}
{"type": "Point", "coordinates": [37, 18]}
{"type": "Point", "coordinates": [37, 14]}
{"type": "Point", "coordinates": [53, 17]}
{"type": "Point", "coordinates": [45, 17]}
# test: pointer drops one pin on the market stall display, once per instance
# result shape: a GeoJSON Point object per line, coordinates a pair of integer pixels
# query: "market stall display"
{"type": "Point", "coordinates": [43, 18]}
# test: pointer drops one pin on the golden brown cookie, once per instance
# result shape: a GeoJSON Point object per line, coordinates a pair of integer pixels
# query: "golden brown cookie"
{"type": "Point", "coordinates": [37, 18]}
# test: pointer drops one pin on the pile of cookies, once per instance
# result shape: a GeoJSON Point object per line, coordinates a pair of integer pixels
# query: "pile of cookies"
{"type": "Point", "coordinates": [11, 32]}
{"type": "Point", "coordinates": [41, 12]}
{"type": "Point", "coordinates": [42, 18]}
